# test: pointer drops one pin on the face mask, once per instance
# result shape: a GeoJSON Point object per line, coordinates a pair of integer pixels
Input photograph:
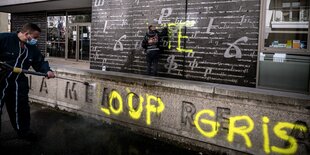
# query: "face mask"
{"type": "Point", "coordinates": [32, 41]}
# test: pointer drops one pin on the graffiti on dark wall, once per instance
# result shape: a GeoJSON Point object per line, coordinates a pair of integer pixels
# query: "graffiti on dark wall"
{"type": "Point", "coordinates": [222, 38]}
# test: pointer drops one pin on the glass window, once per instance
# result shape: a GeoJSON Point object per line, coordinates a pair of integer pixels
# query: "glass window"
{"type": "Point", "coordinates": [284, 71]}
{"type": "Point", "coordinates": [287, 24]}
{"type": "Point", "coordinates": [83, 16]}
{"type": "Point", "coordinates": [284, 62]}
{"type": "Point", "coordinates": [56, 36]}
{"type": "Point", "coordinates": [9, 21]}
{"type": "Point", "coordinates": [79, 18]}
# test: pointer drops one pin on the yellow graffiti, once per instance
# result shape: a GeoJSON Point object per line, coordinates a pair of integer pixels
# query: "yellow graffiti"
{"type": "Point", "coordinates": [150, 108]}
{"type": "Point", "coordinates": [242, 130]}
{"type": "Point", "coordinates": [105, 110]}
{"type": "Point", "coordinates": [115, 95]}
{"type": "Point", "coordinates": [135, 114]}
{"type": "Point", "coordinates": [266, 135]}
{"type": "Point", "coordinates": [214, 125]}
{"type": "Point", "coordinates": [179, 26]}
{"type": "Point", "coordinates": [281, 133]}
{"type": "Point", "coordinates": [245, 130]}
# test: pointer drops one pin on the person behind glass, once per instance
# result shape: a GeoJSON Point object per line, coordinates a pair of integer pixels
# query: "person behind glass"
{"type": "Point", "coordinates": [20, 50]}
{"type": "Point", "coordinates": [151, 45]}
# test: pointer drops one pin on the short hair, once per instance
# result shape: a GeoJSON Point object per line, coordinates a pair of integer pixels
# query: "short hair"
{"type": "Point", "coordinates": [151, 26]}
{"type": "Point", "coordinates": [30, 27]}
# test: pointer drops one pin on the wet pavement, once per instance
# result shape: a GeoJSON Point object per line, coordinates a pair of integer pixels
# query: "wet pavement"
{"type": "Point", "coordinates": [64, 133]}
{"type": "Point", "coordinates": [69, 63]}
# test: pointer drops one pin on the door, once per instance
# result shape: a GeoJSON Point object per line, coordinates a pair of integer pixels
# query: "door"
{"type": "Point", "coordinates": [84, 42]}
{"type": "Point", "coordinates": [79, 41]}
{"type": "Point", "coordinates": [72, 40]}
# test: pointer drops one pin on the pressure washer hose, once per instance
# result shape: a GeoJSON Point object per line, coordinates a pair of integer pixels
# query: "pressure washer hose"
{"type": "Point", "coordinates": [20, 70]}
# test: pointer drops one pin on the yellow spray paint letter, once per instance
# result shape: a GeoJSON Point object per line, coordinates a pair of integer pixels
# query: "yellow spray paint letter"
{"type": "Point", "coordinates": [242, 130]}
{"type": "Point", "coordinates": [151, 108]}
{"type": "Point", "coordinates": [180, 26]}
{"type": "Point", "coordinates": [105, 110]}
{"type": "Point", "coordinates": [281, 133]}
{"type": "Point", "coordinates": [115, 95]}
{"type": "Point", "coordinates": [214, 125]}
{"type": "Point", "coordinates": [135, 114]}
{"type": "Point", "coordinates": [266, 135]}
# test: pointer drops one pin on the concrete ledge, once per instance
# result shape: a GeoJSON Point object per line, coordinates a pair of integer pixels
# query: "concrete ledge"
{"type": "Point", "coordinates": [204, 116]}
{"type": "Point", "coordinates": [271, 96]}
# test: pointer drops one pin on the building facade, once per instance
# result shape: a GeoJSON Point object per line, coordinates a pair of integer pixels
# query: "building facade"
{"type": "Point", "coordinates": [261, 44]}
{"type": "Point", "coordinates": [218, 55]}
{"type": "Point", "coordinates": [4, 24]}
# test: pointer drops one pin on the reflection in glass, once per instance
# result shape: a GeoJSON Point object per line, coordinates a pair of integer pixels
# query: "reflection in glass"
{"type": "Point", "coordinates": [56, 36]}
{"type": "Point", "coordinates": [79, 18]}
{"type": "Point", "coordinates": [287, 23]}
{"type": "Point", "coordinates": [72, 40]}
{"type": "Point", "coordinates": [284, 71]}
{"type": "Point", "coordinates": [84, 44]}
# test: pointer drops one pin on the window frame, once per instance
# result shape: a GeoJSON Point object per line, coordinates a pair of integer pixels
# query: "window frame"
{"type": "Point", "coordinates": [263, 49]}
{"type": "Point", "coordinates": [262, 31]}
{"type": "Point", "coordinates": [66, 13]}
{"type": "Point", "coordinates": [56, 14]}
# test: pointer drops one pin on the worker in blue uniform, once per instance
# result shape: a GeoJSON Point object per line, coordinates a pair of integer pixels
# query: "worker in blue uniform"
{"type": "Point", "coordinates": [20, 51]}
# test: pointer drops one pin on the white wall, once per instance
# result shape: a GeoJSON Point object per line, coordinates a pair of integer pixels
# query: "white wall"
{"type": "Point", "coordinates": [4, 22]}
{"type": "Point", "coordinates": [14, 2]}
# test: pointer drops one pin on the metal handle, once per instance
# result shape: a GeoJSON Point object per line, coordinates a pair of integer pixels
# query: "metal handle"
{"type": "Point", "coordinates": [34, 73]}
{"type": "Point", "coordinates": [6, 66]}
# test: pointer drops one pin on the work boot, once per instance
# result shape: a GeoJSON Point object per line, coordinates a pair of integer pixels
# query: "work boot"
{"type": "Point", "coordinates": [28, 135]}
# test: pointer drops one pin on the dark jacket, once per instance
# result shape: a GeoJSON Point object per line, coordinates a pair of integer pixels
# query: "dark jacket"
{"type": "Point", "coordinates": [12, 53]}
{"type": "Point", "coordinates": [154, 46]}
